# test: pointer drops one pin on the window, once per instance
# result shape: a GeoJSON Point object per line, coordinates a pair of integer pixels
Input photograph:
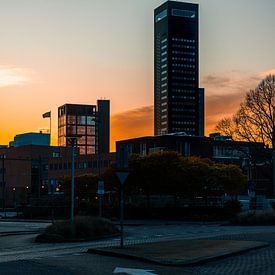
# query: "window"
{"type": "Point", "coordinates": [183, 13]}
{"type": "Point", "coordinates": [82, 150]}
{"type": "Point", "coordinates": [71, 130]}
{"type": "Point", "coordinates": [90, 120]}
{"type": "Point", "coordinates": [81, 130]}
{"type": "Point", "coordinates": [81, 140]}
{"type": "Point", "coordinates": [71, 120]}
{"type": "Point", "coordinates": [143, 149]}
{"type": "Point", "coordinates": [81, 120]}
{"type": "Point", "coordinates": [161, 16]}
{"type": "Point", "coordinates": [56, 154]}
{"type": "Point", "coordinates": [90, 150]}
{"type": "Point", "coordinates": [90, 140]}
{"type": "Point", "coordinates": [90, 130]}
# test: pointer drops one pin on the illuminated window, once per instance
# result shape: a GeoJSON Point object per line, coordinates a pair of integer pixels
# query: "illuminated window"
{"type": "Point", "coordinates": [183, 13]}
{"type": "Point", "coordinates": [161, 15]}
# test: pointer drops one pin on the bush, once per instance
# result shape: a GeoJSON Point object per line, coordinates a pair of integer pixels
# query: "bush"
{"type": "Point", "coordinates": [257, 217]}
{"type": "Point", "coordinates": [232, 208]}
{"type": "Point", "coordinates": [83, 229]}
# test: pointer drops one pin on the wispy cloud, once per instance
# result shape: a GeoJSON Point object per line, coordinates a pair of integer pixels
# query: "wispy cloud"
{"type": "Point", "coordinates": [225, 91]}
{"type": "Point", "coordinates": [14, 76]}
{"type": "Point", "coordinates": [230, 82]}
{"type": "Point", "coordinates": [133, 123]}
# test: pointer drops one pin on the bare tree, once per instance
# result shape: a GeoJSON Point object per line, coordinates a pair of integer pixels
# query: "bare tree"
{"type": "Point", "coordinates": [254, 121]}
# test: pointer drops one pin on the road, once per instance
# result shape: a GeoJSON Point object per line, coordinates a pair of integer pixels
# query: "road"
{"type": "Point", "coordinates": [20, 255]}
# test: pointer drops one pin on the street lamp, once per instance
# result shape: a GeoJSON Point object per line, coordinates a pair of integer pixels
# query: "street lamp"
{"type": "Point", "coordinates": [3, 182]}
{"type": "Point", "coordinates": [72, 140]}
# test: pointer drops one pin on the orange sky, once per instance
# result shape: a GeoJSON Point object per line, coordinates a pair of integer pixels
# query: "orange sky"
{"type": "Point", "coordinates": [56, 52]}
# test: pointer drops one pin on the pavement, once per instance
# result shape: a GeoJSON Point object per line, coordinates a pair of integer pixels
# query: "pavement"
{"type": "Point", "coordinates": [20, 255]}
{"type": "Point", "coordinates": [181, 252]}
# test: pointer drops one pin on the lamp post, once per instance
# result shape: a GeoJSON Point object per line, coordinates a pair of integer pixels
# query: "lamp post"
{"type": "Point", "coordinates": [3, 182]}
{"type": "Point", "coordinates": [72, 140]}
{"type": "Point", "coordinates": [273, 152]}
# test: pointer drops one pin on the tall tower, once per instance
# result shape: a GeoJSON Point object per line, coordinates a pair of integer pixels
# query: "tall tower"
{"type": "Point", "coordinates": [178, 101]}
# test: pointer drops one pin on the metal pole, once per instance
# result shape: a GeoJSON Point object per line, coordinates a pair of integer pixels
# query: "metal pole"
{"type": "Point", "coordinates": [3, 182]}
{"type": "Point", "coordinates": [72, 193]}
{"type": "Point", "coordinates": [39, 178]}
{"type": "Point", "coordinates": [121, 215]}
{"type": "Point", "coordinates": [50, 128]}
{"type": "Point", "coordinates": [273, 153]}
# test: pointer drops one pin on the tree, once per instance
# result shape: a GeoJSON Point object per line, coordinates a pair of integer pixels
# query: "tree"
{"type": "Point", "coordinates": [254, 121]}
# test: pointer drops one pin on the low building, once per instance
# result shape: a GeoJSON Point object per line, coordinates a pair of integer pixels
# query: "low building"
{"type": "Point", "coordinates": [34, 171]}
{"type": "Point", "coordinates": [253, 158]}
{"type": "Point", "coordinates": [40, 139]}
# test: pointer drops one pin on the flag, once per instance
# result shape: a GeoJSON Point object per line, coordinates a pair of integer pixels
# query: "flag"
{"type": "Point", "coordinates": [48, 114]}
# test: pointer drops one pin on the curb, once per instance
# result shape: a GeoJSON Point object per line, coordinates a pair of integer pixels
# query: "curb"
{"type": "Point", "coordinates": [189, 263]}
{"type": "Point", "coordinates": [5, 234]}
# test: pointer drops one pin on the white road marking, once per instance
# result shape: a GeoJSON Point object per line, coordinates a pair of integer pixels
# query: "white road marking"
{"type": "Point", "coordinates": [133, 271]}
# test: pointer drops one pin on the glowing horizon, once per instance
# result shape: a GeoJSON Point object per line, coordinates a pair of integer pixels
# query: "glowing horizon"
{"type": "Point", "coordinates": [57, 52]}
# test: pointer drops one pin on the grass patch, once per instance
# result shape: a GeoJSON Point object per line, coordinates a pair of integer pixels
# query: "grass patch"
{"type": "Point", "coordinates": [255, 217]}
{"type": "Point", "coordinates": [83, 229]}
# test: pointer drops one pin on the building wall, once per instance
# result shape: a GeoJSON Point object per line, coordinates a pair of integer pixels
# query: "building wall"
{"type": "Point", "coordinates": [103, 113]}
{"type": "Point", "coordinates": [33, 171]}
{"type": "Point", "coordinates": [253, 158]}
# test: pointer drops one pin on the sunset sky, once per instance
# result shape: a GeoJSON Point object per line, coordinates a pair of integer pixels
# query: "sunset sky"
{"type": "Point", "coordinates": [77, 51]}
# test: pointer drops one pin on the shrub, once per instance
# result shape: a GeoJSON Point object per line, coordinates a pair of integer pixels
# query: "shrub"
{"type": "Point", "coordinates": [82, 229]}
{"type": "Point", "coordinates": [257, 217]}
{"type": "Point", "coordinates": [231, 208]}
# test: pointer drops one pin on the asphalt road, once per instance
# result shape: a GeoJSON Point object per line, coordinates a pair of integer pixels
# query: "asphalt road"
{"type": "Point", "coordinates": [19, 255]}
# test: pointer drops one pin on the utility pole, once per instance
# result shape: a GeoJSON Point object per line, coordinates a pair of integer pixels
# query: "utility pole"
{"type": "Point", "coordinates": [3, 182]}
{"type": "Point", "coordinates": [73, 140]}
{"type": "Point", "coordinates": [273, 151]}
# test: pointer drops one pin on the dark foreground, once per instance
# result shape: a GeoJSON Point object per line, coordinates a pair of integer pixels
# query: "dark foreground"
{"type": "Point", "coordinates": [18, 255]}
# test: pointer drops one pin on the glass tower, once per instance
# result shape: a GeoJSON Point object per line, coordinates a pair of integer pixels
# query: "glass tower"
{"type": "Point", "coordinates": [178, 101]}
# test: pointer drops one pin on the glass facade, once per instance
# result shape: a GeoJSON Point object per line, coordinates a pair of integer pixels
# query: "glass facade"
{"type": "Point", "coordinates": [79, 121]}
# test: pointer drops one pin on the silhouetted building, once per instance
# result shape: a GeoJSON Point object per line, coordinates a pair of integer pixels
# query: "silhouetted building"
{"type": "Point", "coordinates": [31, 139]}
{"type": "Point", "coordinates": [178, 101]}
{"type": "Point", "coordinates": [103, 114]}
{"type": "Point", "coordinates": [89, 123]}
{"type": "Point", "coordinates": [36, 172]}
{"type": "Point", "coordinates": [252, 157]}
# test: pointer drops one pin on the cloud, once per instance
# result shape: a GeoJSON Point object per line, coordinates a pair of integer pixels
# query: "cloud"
{"type": "Point", "coordinates": [230, 82]}
{"type": "Point", "coordinates": [133, 123]}
{"type": "Point", "coordinates": [225, 91]}
{"type": "Point", "coordinates": [268, 72]}
{"type": "Point", "coordinates": [223, 94]}
{"type": "Point", "coordinates": [14, 76]}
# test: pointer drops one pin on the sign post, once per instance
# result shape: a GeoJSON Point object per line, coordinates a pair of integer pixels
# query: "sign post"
{"type": "Point", "coordinates": [100, 192]}
{"type": "Point", "coordinates": [122, 176]}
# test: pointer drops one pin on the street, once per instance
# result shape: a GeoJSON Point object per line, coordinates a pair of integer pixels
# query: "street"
{"type": "Point", "coordinates": [20, 255]}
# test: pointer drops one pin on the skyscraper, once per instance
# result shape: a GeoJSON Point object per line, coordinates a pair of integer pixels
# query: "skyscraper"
{"type": "Point", "coordinates": [178, 101]}
{"type": "Point", "coordinates": [89, 123]}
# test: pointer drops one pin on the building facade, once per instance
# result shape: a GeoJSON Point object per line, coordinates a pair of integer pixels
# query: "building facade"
{"type": "Point", "coordinates": [178, 101]}
{"type": "Point", "coordinates": [35, 172]}
{"type": "Point", "coordinates": [90, 124]}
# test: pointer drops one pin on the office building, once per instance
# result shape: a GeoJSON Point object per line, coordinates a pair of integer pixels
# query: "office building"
{"type": "Point", "coordinates": [90, 124]}
{"type": "Point", "coordinates": [178, 101]}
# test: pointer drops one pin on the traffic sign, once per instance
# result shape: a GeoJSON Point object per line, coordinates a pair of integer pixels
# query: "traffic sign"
{"type": "Point", "coordinates": [100, 187]}
{"type": "Point", "coordinates": [122, 176]}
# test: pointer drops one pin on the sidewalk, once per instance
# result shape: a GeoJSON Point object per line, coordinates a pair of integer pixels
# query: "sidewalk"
{"type": "Point", "coordinates": [181, 252]}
